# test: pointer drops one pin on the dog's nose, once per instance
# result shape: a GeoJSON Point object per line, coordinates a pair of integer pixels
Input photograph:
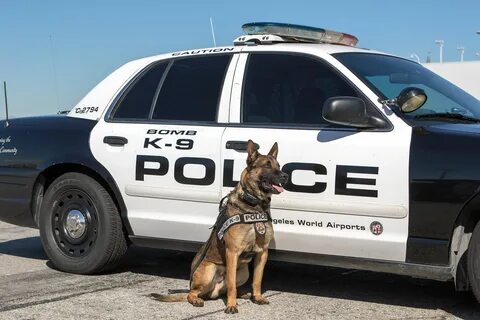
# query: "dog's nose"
{"type": "Point", "coordinates": [283, 177]}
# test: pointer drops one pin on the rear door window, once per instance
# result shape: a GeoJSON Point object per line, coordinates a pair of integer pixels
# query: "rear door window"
{"type": "Point", "coordinates": [136, 103]}
{"type": "Point", "coordinates": [191, 90]}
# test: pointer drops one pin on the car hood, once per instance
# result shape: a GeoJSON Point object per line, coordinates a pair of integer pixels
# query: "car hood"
{"type": "Point", "coordinates": [454, 128]}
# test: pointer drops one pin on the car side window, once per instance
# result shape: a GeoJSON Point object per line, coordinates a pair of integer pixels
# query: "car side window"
{"type": "Point", "coordinates": [136, 103]}
{"type": "Point", "coordinates": [191, 90]}
{"type": "Point", "coordinates": [289, 89]}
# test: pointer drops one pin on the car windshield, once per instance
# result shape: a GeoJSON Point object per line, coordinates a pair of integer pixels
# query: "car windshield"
{"type": "Point", "coordinates": [387, 76]}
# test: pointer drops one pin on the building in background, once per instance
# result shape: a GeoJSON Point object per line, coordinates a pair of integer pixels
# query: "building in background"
{"type": "Point", "coordinates": [466, 75]}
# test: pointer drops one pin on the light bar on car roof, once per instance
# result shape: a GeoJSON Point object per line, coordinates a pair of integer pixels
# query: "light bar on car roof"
{"type": "Point", "coordinates": [299, 33]}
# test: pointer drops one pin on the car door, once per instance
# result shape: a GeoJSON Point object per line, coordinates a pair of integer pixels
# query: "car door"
{"type": "Point", "coordinates": [348, 188]}
{"type": "Point", "coordinates": [161, 143]}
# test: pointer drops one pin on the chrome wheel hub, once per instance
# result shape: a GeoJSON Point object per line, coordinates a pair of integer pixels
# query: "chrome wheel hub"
{"type": "Point", "coordinates": [75, 223]}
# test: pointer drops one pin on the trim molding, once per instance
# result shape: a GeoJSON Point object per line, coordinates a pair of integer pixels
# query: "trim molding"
{"type": "Point", "coordinates": [439, 273]}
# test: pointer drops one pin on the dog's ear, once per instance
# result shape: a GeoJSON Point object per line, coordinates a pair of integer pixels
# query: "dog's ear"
{"type": "Point", "coordinates": [252, 152]}
{"type": "Point", "coordinates": [274, 151]}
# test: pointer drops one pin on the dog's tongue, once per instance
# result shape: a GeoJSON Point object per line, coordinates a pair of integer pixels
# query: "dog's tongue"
{"type": "Point", "coordinates": [278, 188]}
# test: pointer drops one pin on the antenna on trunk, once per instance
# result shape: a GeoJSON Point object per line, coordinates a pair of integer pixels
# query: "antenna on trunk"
{"type": "Point", "coordinates": [213, 32]}
{"type": "Point", "coordinates": [6, 102]}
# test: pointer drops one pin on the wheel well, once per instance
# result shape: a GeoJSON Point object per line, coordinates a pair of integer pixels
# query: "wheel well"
{"type": "Point", "coordinates": [46, 178]}
{"type": "Point", "coordinates": [462, 232]}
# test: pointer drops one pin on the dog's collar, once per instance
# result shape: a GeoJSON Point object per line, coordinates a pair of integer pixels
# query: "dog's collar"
{"type": "Point", "coordinates": [249, 198]}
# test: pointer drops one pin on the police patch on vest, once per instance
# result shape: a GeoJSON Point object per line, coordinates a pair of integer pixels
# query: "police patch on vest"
{"type": "Point", "coordinates": [260, 228]}
{"type": "Point", "coordinates": [252, 217]}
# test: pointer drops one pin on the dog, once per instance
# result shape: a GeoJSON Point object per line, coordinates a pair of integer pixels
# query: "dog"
{"type": "Point", "coordinates": [242, 232]}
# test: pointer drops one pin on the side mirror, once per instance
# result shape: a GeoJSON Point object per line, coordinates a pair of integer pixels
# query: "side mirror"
{"type": "Point", "coordinates": [411, 99]}
{"type": "Point", "coordinates": [350, 111]}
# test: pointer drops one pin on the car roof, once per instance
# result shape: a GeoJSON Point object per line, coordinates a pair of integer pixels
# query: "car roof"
{"type": "Point", "coordinates": [102, 94]}
{"type": "Point", "coordinates": [318, 48]}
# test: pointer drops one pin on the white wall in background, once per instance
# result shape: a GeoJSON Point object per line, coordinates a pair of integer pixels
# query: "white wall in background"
{"type": "Point", "coordinates": [466, 75]}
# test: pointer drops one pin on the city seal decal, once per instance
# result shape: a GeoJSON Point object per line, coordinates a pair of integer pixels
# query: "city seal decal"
{"type": "Point", "coordinates": [376, 228]}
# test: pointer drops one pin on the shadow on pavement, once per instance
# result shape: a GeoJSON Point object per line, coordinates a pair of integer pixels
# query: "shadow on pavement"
{"type": "Point", "coordinates": [27, 248]}
{"type": "Point", "coordinates": [318, 281]}
{"type": "Point", "coordinates": [328, 282]}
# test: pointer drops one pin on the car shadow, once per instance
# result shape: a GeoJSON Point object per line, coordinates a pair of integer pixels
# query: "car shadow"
{"type": "Point", "coordinates": [323, 281]}
{"type": "Point", "coordinates": [293, 278]}
{"type": "Point", "coordinates": [26, 247]}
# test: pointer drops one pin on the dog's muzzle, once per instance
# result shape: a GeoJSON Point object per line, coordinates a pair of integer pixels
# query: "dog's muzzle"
{"type": "Point", "coordinates": [283, 178]}
{"type": "Point", "coordinates": [279, 181]}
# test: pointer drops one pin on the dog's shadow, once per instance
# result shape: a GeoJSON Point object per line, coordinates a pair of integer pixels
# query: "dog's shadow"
{"type": "Point", "coordinates": [321, 281]}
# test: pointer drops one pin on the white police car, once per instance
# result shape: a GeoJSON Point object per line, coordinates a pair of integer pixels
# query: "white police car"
{"type": "Point", "coordinates": [383, 157]}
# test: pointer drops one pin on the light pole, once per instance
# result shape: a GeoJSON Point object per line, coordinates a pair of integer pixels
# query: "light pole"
{"type": "Point", "coordinates": [440, 44]}
{"type": "Point", "coordinates": [462, 51]}
{"type": "Point", "coordinates": [415, 56]}
{"type": "Point", "coordinates": [478, 53]}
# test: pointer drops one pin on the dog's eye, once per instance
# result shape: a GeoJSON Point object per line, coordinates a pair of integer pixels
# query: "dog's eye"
{"type": "Point", "coordinates": [269, 164]}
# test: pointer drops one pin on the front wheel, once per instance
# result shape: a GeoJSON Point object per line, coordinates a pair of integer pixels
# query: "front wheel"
{"type": "Point", "coordinates": [473, 266]}
{"type": "Point", "coordinates": [80, 226]}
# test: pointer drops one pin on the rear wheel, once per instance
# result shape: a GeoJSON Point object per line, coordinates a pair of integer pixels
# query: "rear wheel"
{"type": "Point", "coordinates": [80, 226]}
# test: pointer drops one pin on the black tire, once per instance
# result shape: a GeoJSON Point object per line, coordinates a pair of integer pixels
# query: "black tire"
{"type": "Point", "coordinates": [473, 266]}
{"type": "Point", "coordinates": [93, 240]}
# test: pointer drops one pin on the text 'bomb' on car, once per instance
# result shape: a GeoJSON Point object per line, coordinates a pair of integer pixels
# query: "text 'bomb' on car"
{"type": "Point", "coordinates": [381, 153]}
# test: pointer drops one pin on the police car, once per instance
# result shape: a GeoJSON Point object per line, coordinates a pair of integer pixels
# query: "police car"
{"type": "Point", "coordinates": [383, 157]}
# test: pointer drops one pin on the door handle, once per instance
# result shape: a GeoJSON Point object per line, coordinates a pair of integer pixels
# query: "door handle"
{"type": "Point", "coordinates": [115, 141]}
{"type": "Point", "coordinates": [239, 145]}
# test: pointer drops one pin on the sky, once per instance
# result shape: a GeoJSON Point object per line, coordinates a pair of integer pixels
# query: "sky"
{"type": "Point", "coordinates": [53, 52]}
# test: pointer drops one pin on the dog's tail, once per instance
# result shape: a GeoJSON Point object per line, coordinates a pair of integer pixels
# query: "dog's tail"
{"type": "Point", "coordinates": [176, 297]}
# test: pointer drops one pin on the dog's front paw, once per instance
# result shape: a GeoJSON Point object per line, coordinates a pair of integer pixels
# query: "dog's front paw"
{"type": "Point", "coordinates": [196, 302]}
{"type": "Point", "coordinates": [231, 309]}
{"type": "Point", "coordinates": [260, 300]}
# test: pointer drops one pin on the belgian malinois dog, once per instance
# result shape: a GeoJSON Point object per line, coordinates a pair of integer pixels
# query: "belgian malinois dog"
{"type": "Point", "coordinates": [242, 232]}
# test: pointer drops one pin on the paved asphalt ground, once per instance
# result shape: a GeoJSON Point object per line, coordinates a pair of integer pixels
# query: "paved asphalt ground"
{"type": "Point", "coordinates": [31, 289]}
